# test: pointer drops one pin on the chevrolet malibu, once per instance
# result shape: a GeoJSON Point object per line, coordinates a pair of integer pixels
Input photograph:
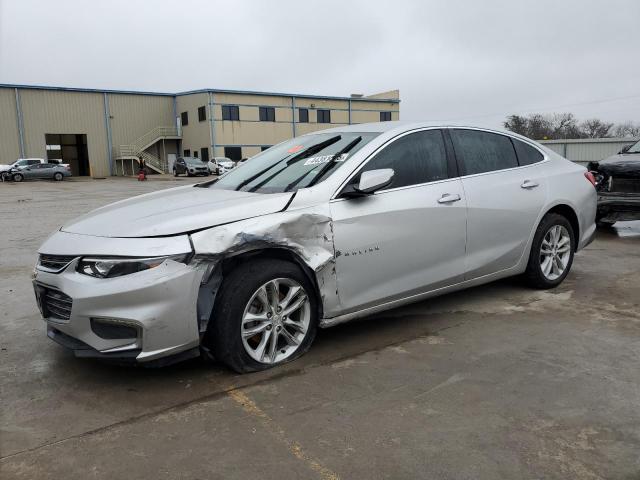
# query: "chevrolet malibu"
{"type": "Point", "coordinates": [315, 231]}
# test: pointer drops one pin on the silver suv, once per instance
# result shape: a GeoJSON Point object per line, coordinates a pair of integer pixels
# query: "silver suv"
{"type": "Point", "coordinates": [315, 231]}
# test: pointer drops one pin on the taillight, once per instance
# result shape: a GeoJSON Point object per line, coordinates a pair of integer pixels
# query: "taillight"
{"type": "Point", "coordinates": [589, 176]}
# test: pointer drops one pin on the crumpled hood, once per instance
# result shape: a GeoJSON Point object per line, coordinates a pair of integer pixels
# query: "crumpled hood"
{"type": "Point", "coordinates": [175, 211]}
{"type": "Point", "coordinates": [625, 165]}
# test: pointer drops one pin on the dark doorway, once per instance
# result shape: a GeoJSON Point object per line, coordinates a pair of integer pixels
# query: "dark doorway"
{"type": "Point", "coordinates": [69, 148]}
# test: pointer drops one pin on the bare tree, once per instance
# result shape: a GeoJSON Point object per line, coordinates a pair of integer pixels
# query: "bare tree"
{"type": "Point", "coordinates": [565, 125]}
{"type": "Point", "coordinates": [517, 124]}
{"type": "Point", "coordinates": [595, 128]}
{"type": "Point", "coordinates": [627, 129]}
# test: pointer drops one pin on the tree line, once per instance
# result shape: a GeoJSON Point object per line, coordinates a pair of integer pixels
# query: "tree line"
{"type": "Point", "coordinates": [539, 126]}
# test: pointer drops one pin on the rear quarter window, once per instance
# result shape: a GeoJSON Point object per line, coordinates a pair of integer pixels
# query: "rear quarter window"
{"type": "Point", "coordinates": [527, 155]}
{"type": "Point", "coordinates": [483, 151]}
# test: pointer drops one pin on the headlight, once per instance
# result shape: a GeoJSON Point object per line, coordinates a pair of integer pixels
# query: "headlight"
{"type": "Point", "coordinates": [119, 266]}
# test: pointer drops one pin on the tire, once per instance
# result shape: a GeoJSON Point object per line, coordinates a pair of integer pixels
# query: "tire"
{"type": "Point", "coordinates": [175, 172]}
{"type": "Point", "coordinates": [239, 295]}
{"type": "Point", "coordinates": [556, 236]}
{"type": "Point", "coordinates": [58, 177]}
{"type": "Point", "coordinates": [18, 177]}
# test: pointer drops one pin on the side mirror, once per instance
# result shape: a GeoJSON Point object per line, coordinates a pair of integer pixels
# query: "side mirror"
{"type": "Point", "coordinates": [370, 182]}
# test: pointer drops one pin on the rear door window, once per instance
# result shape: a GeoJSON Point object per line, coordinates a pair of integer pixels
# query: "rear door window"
{"type": "Point", "coordinates": [415, 158]}
{"type": "Point", "coordinates": [527, 155]}
{"type": "Point", "coordinates": [483, 151]}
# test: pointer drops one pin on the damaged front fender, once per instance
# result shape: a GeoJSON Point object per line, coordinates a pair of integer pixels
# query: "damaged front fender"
{"type": "Point", "coordinates": [308, 233]}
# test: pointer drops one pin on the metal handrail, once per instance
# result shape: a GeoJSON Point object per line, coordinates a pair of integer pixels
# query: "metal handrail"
{"type": "Point", "coordinates": [136, 148]}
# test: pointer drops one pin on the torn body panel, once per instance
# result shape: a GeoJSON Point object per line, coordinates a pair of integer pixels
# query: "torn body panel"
{"type": "Point", "coordinates": [618, 186]}
{"type": "Point", "coordinates": [307, 233]}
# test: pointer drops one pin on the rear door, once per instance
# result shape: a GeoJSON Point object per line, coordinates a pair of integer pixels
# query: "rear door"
{"type": "Point", "coordinates": [44, 170]}
{"type": "Point", "coordinates": [504, 199]}
{"type": "Point", "coordinates": [409, 237]}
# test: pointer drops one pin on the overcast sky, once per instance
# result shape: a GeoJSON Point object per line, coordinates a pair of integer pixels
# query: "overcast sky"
{"type": "Point", "coordinates": [472, 61]}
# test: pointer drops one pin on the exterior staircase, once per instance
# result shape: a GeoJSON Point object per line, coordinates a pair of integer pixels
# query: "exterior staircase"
{"type": "Point", "coordinates": [138, 149]}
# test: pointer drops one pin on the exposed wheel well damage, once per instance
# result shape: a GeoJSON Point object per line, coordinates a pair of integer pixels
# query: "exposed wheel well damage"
{"type": "Point", "coordinates": [567, 212]}
{"type": "Point", "coordinates": [302, 238]}
{"type": "Point", "coordinates": [217, 271]}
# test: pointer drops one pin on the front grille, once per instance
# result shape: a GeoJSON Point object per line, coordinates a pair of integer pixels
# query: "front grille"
{"type": "Point", "coordinates": [625, 185]}
{"type": "Point", "coordinates": [55, 263]}
{"type": "Point", "coordinates": [54, 303]}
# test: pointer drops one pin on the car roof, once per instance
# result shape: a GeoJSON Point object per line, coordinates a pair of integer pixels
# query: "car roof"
{"type": "Point", "coordinates": [400, 126]}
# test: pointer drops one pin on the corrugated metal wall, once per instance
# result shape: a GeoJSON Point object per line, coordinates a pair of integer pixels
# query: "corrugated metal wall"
{"type": "Point", "coordinates": [135, 115]}
{"type": "Point", "coordinates": [48, 111]}
{"type": "Point", "coordinates": [9, 135]}
{"type": "Point", "coordinates": [589, 149]}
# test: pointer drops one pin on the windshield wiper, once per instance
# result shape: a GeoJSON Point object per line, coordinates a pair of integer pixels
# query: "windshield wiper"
{"type": "Point", "coordinates": [327, 166]}
{"type": "Point", "coordinates": [303, 154]}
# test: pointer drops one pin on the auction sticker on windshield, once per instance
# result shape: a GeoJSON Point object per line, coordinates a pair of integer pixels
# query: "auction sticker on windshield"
{"type": "Point", "coordinates": [325, 159]}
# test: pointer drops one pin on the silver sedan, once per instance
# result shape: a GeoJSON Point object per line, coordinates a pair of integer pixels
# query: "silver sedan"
{"type": "Point", "coordinates": [315, 231]}
{"type": "Point", "coordinates": [50, 171]}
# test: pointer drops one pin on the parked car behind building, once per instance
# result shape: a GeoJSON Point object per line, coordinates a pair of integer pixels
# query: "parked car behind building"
{"type": "Point", "coordinates": [618, 186]}
{"type": "Point", "coordinates": [315, 231]}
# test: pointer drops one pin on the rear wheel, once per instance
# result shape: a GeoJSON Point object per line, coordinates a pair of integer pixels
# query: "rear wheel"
{"type": "Point", "coordinates": [58, 177]}
{"type": "Point", "coordinates": [265, 315]}
{"type": "Point", "coordinates": [552, 252]}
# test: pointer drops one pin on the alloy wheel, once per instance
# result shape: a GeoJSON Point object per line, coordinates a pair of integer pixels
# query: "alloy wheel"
{"type": "Point", "coordinates": [275, 321]}
{"type": "Point", "coordinates": [555, 252]}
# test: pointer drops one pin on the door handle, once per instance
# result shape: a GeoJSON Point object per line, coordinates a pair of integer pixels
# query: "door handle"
{"type": "Point", "coordinates": [529, 184]}
{"type": "Point", "coordinates": [449, 198]}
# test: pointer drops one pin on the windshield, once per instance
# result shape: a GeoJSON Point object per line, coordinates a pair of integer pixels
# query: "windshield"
{"type": "Point", "coordinates": [635, 148]}
{"type": "Point", "coordinates": [193, 161]}
{"type": "Point", "coordinates": [296, 163]}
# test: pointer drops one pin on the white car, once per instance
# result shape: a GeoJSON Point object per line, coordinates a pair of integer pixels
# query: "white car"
{"type": "Point", "coordinates": [221, 165]}
{"type": "Point", "coordinates": [318, 230]}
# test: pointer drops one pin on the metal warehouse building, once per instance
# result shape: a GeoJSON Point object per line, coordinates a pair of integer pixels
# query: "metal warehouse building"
{"type": "Point", "coordinates": [103, 132]}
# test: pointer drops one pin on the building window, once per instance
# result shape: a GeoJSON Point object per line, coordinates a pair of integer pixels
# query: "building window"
{"type": "Point", "coordinates": [230, 112]}
{"type": "Point", "coordinates": [324, 116]}
{"type": "Point", "coordinates": [186, 152]}
{"type": "Point", "coordinates": [195, 153]}
{"type": "Point", "coordinates": [267, 114]}
{"type": "Point", "coordinates": [202, 113]}
{"type": "Point", "coordinates": [204, 154]}
{"type": "Point", "coordinates": [303, 115]}
{"type": "Point", "coordinates": [233, 153]}
{"type": "Point", "coordinates": [265, 147]}
{"type": "Point", "coordinates": [385, 116]}
{"type": "Point", "coordinates": [184, 117]}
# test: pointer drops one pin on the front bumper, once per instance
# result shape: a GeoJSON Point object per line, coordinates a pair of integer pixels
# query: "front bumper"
{"type": "Point", "coordinates": [158, 306]}
{"type": "Point", "coordinates": [616, 206]}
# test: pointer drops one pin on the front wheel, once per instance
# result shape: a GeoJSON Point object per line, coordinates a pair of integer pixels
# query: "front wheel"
{"type": "Point", "coordinates": [18, 177]}
{"type": "Point", "coordinates": [552, 252]}
{"type": "Point", "coordinates": [265, 315]}
{"type": "Point", "coordinates": [175, 172]}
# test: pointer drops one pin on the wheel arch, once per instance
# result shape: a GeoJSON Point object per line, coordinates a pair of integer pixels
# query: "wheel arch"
{"type": "Point", "coordinates": [231, 262]}
{"type": "Point", "coordinates": [570, 214]}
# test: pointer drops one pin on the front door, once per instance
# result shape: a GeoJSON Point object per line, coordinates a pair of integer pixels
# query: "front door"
{"type": "Point", "coordinates": [408, 238]}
